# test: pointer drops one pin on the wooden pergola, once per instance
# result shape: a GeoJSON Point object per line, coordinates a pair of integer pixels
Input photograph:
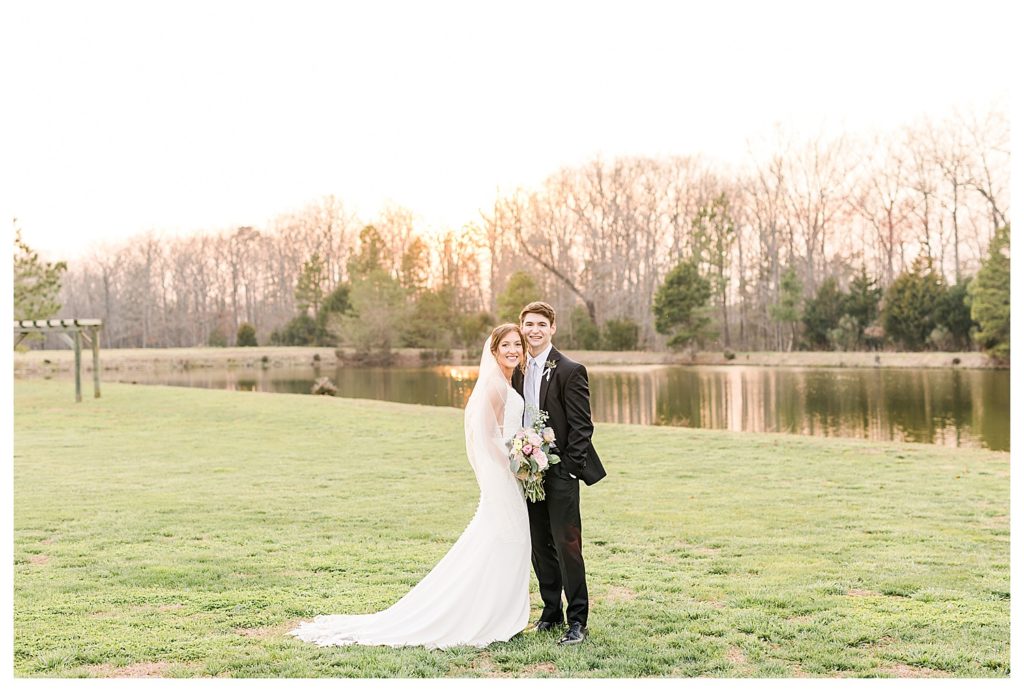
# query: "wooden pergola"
{"type": "Point", "coordinates": [71, 332]}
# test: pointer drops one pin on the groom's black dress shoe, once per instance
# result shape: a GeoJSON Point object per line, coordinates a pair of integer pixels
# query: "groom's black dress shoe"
{"type": "Point", "coordinates": [576, 633]}
{"type": "Point", "coordinates": [545, 626]}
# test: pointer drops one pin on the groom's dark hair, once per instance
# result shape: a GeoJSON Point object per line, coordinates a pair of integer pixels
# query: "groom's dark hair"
{"type": "Point", "coordinates": [538, 307]}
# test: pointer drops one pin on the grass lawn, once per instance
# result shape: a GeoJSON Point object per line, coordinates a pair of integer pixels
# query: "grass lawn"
{"type": "Point", "coordinates": [182, 532]}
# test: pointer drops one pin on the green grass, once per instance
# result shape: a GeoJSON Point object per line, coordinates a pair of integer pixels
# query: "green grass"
{"type": "Point", "coordinates": [182, 532]}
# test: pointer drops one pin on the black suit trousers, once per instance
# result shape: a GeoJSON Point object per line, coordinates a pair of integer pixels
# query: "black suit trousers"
{"type": "Point", "coordinates": [557, 547]}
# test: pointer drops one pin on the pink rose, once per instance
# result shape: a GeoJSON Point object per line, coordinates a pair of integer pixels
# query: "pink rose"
{"type": "Point", "coordinates": [527, 448]}
{"type": "Point", "coordinates": [541, 459]}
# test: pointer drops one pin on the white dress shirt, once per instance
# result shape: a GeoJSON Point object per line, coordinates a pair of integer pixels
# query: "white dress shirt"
{"type": "Point", "coordinates": [531, 383]}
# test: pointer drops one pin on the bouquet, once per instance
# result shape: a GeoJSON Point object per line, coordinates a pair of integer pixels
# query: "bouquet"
{"type": "Point", "coordinates": [531, 455]}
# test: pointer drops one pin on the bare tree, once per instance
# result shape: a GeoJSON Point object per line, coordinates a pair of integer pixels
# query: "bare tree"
{"type": "Point", "coordinates": [764, 189]}
{"type": "Point", "coordinates": [601, 235]}
{"type": "Point", "coordinates": [989, 136]}
{"type": "Point", "coordinates": [881, 199]}
{"type": "Point", "coordinates": [396, 229]}
{"type": "Point", "coordinates": [815, 191]}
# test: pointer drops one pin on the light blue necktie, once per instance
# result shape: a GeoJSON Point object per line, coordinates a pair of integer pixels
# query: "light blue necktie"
{"type": "Point", "coordinates": [530, 389]}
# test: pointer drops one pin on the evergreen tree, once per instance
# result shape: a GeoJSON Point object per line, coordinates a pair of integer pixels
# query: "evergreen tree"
{"type": "Point", "coordinates": [911, 304]}
{"type": "Point", "coordinates": [301, 330]}
{"type": "Point", "coordinates": [713, 234]}
{"type": "Point", "coordinates": [520, 291]}
{"type": "Point", "coordinates": [584, 334]}
{"type": "Point", "coordinates": [681, 306]}
{"type": "Point", "coordinates": [621, 335]}
{"type": "Point", "coordinates": [431, 323]}
{"type": "Point", "coordinates": [336, 302]}
{"type": "Point", "coordinates": [374, 324]}
{"type": "Point", "coordinates": [953, 314]}
{"type": "Point", "coordinates": [473, 329]}
{"type": "Point", "coordinates": [862, 301]}
{"type": "Point", "coordinates": [822, 313]}
{"type": "Point", "coordinates": [845, 336]}
{"type": "Point", "coordinates": [788, 309]}
{"type": "Point", "coordinates": [371, 253]}
{"type": "Point", "coordinates": [36, 283]}
{"type": "Point", "coordinates": [246, 335]}
{"type": "Point", "coordinates": [415, 267]}
{"type": "Point", "coordinates": [310, 288]}
{"type": "Point", "coordinates": [990, 297]}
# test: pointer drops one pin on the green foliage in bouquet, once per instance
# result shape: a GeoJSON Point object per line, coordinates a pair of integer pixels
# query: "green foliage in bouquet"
{"type": "Point", "coordinates": [530, 455]}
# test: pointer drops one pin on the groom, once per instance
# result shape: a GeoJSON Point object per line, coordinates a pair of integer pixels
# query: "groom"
{"type": "Point", "coordinates": [557, 384]}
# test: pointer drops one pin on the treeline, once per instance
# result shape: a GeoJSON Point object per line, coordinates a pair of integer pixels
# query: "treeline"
{"type": "Point", "coordinates": [810, 232]}
{"type": "Point", "coordinates": [199, 290]}
{"type": "Point", "coordinates": [919, 310]}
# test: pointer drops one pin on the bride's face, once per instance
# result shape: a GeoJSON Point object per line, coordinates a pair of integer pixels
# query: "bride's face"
{"type": "Point", "coordinates": [510, 351]}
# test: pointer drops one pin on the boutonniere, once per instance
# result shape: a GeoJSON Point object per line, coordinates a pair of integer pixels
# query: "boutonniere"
{"type": "Point", "coordinates": [548, 369]}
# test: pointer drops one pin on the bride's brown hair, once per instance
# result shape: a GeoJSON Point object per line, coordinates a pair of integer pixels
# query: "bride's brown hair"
{"type": "Point", "coordinates": [499, 333]}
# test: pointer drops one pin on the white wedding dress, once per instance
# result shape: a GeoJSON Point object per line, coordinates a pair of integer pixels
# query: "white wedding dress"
{"type": "Point", "coordinates": [479, 592]}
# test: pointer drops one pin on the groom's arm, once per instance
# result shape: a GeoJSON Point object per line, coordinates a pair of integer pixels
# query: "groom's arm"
{"type": "Point", "coordinates": [577, 415]}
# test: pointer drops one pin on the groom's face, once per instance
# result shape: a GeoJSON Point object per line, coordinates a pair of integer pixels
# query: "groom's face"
{"type": "Point", "coordinates": [538, 332]}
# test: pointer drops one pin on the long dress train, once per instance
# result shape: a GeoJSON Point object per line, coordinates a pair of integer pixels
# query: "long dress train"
{"type": "Point", "coordinates": [479, 592]}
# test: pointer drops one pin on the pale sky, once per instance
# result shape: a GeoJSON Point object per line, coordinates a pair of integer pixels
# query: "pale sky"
{"type": "Point", "coordinates": [120, 118]}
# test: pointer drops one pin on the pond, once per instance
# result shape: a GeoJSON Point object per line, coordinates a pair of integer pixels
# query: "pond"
{"type": "Point", "coordinates": [956, 408]}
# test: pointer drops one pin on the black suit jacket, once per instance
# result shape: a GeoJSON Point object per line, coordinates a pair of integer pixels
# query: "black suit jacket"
{"type": "Point", "coordinates": [565, 395]}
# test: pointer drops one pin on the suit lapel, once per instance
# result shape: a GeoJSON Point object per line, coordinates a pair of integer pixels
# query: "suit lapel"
{"type": "Point", "coordinates": [554, 356]}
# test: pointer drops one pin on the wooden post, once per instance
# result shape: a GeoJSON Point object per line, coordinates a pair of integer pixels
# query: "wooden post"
{"type": "Point", "coordinates": [62, 328]}
{"type": "Point", "coordinates": [95, 362]}
{"type": "Point", "coordinates": [78, 365]}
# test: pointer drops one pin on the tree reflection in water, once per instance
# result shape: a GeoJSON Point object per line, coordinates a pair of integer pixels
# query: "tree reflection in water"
{"type": "Point", "coordinates": [969, 408]}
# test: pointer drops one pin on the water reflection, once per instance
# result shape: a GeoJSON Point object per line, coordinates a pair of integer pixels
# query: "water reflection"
{"type": "Point", "coordinates": [969, 408]}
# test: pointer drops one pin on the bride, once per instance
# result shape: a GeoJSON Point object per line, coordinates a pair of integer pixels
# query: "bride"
{"type": "Point", "coordinates": [479, 592]}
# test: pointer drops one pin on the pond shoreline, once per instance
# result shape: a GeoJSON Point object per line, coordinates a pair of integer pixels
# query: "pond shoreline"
{"type": "Point", "coordinates": [49, 362]}
{"type": "Point", "coordinates": [938, 405]}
